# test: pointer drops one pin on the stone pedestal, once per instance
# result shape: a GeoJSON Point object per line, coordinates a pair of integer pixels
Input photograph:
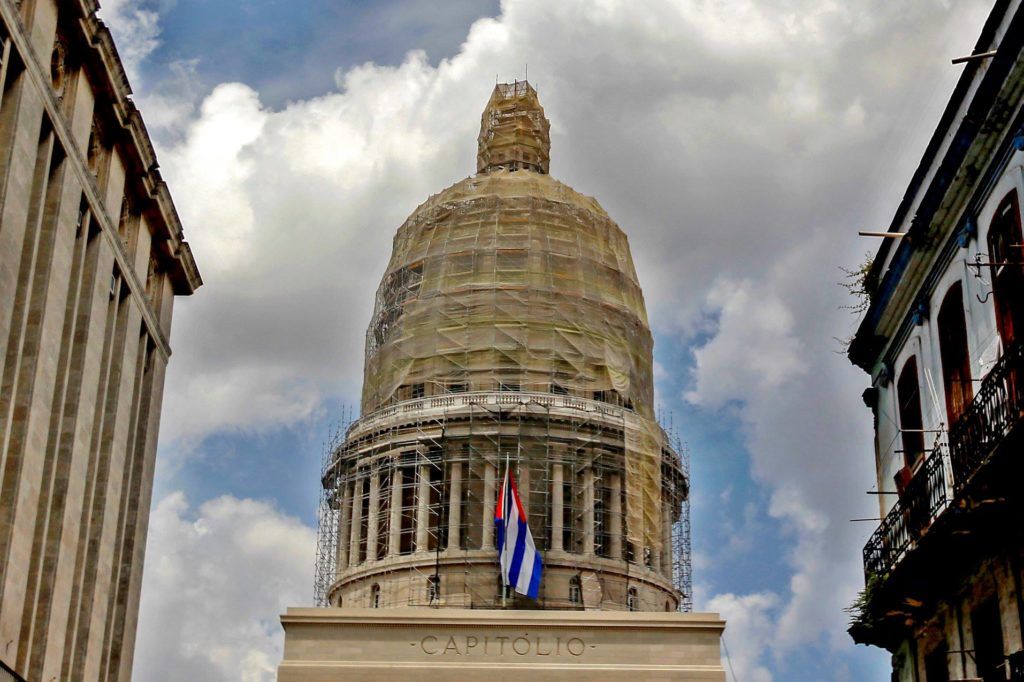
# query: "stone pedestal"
{"type": "Point", "coordinates": [335, 644]}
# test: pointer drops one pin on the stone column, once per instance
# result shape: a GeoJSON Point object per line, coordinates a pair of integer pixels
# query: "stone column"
{"type": "Point", "coordinates": [343, 528]}
{"type": "Point", "coordinates": [490, 486]}
{"type": "Point", "coordinates": [588, 509]}
{"type": "Point", "coordinates": [373, 521]}
{"type": "Point", "coordinates": [666, 538]}
{"type": "Point", "coordinates": [557, 505]}
{"type": "Point", "coordinates": [614, 517]}
{"type": "Point", "coordinates": [357, 520]}
{"type": "Point", "coordinates": [395, 524]}
{"type": "Point", "coordinates": [455, 506]}
{"type": "Point", "coordinates": [422, 510]}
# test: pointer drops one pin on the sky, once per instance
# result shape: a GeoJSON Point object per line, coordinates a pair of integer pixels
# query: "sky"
{"type": "Point", "coordinates": [740, 144]}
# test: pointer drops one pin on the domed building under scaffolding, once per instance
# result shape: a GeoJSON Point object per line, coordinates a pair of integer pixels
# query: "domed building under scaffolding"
{"type": "Point", "coordinates": [508, 330]}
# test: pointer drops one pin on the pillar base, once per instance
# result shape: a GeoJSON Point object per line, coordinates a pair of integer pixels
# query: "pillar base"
{"type": "Point", "coordinates": [334, 644]}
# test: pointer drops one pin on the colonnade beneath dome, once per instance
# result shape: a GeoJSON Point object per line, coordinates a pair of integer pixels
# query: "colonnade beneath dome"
{"type": "Point", "coordinates": [377, 520]}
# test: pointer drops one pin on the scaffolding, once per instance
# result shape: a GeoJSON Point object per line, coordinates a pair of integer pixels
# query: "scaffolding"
{"type": "Point", "coordinates": [508, 327]}
{"type": "Point", "coordinates": [327, 514]}
{"type": "Point", "coordinates": [410, 493]}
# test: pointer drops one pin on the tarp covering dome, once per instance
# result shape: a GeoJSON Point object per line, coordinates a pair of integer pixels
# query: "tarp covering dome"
{"type": "Point", "coordinates": [508, 332]}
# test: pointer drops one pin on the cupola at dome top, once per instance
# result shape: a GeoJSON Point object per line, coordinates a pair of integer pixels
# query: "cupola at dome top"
{"type": "Point", "coordinates": [513, 131]}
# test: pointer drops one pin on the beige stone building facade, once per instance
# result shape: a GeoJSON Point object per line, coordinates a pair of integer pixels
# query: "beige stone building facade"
{"type": "Point", "coordinates": [327, 645]}
{"type": "Point", "coordinates": [91, 258]}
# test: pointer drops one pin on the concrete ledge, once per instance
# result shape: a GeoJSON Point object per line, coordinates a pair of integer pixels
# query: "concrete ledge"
{"type": "Point", "coordinates": [442, 644]}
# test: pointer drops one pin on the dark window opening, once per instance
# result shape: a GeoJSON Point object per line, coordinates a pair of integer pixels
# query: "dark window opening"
{"type": "Point", "coordinates": [123, 223]}
{"type": "Point", "coordinates": [1006, 252]}
{"type": "Point", "coordinates": [632, 600]}
{"type": "Point", "coordinates": [568, 539]}
{"type": "Point", "coordinates": [470, 530]}
{"type": "Point", "coordinates": [506, 593]}
{"type": "Point", "coordinates": [433, 588]}
{"type": "Point", "coordinates": [558, 389]}
{"type": "Point", "coordinates": [398, 288]}
{"type": "Point", "coordinates": [363, 490]}
{"type": "Point", "coordinates": [407, 536]}
{"type": "Point", "coordinates": [575, 590]}
{"type": "Point", "coordinates": [94, 151]}
{"type": "Point", "coordinates": [508, 387]}
{"type": "Point", "coordinates": [83, 215]}
{"type": "Point", "coordinates": [456, 388]}
{"type": "Point", "coordinates": [613, 397]}
{"type": "Point", "coordinates": [908, 394]}
{"type": "Point", "coordinates": [437, 529]}
{"type": "Point", "coordinates": [383, 514]}
{"type": "Point", "coordinates": [936, 664]}
{"type": "Point", "coordinates": [58, 66]}
{"type": "Point", "coordinates": [602, 539]}
{"type": "Point", "coordinates": [956, 362]}
{"type": "Point", "coordinates": [988, 641]}
{"type": "Point", "coordinates": [375, 597]}
{"type": "Point", "coordinates": [416, 391]}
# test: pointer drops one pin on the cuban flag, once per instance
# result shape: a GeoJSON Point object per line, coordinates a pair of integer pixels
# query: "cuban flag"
{"type": "Point", "coordinates": [517, 555]}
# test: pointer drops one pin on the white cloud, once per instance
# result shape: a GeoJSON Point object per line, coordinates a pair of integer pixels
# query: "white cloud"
{"type": "Point", "coordinates": [216, 581]}
{"type": "Point", "coordinates": [807, 432]}
{"type": "Point", "coordinates": [754, 348]}
{"type": "Point", "coordinates": [750, 628]}
{"type": "Point", "coordinates": [136, 30]}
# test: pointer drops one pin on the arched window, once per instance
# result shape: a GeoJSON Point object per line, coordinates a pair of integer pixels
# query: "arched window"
{"type": "Point", "coordinates": [375, 596]}
{"type": "Point", "coordinates": [632, 599]}
{"type": "Point", "coordinates": [956, 361]}
{"type": "Point", "coordinates": [1007, 255]}
{"type": "Point", "coordinates": [575, 590]}
{"type": "Point", "coordinates": [908, 396]}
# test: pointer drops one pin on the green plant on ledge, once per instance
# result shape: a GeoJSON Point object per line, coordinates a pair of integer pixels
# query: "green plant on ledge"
{"type": "Point", "coordinates": [864, 617]}
{"type": "Point", "coordinates": [859, 285]}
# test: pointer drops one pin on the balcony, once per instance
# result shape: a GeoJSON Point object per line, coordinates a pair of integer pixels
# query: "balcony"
{"type": "Point", "coordinates": [941, 481]}
{"type": "Point", "coordinates": [925, 497]}
{"type": "Point", "coordinates": [992, 415]}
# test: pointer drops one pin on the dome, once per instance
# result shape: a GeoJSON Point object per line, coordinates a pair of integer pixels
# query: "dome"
{"type": "Point", "coordinates": [509, 278]}
{"type": "Point", "coordinates": [508, 334]}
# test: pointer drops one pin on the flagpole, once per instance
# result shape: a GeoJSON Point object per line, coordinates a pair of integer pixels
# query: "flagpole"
{"type": "Point", "coordinates": [504, 522]}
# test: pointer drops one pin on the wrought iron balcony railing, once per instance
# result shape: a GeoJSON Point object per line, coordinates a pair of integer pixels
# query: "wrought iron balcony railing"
{"type": "Point", "coordinates": [995, 411]}
{"type": "Point", "coordinates": [991, 415]}
{"type": "Point", "coordinates": [924, 498]}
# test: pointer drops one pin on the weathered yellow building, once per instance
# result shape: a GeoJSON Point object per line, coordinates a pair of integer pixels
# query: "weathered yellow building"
{"type": "Point", "coordinates": [943, 342]}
